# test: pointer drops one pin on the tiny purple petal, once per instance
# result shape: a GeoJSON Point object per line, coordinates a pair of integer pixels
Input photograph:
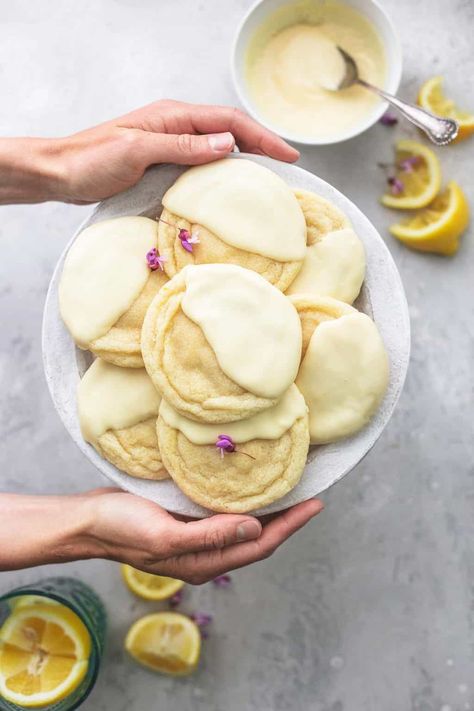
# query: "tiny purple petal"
{"type": "Point", "coordinates": [388, 119]}
{"type": "Point", "coordinates": [184, 235]}
{"type": "Point", "coordinates": [154, 260]}
{"type": "Point", "coordinates": [409, 163]}
{"type": "Point", "coordinates": [396, 185]}
{"type": "Point", "coordinates": [225, 443]}
{"type": "Point", "coordinates": [202, 619]}
{"type": "Point", "coordinates": [223, 581]}
{"type": "Point", "coordinates": [176, 599]}
{"type": "Point", "coordinates": [186, 245]}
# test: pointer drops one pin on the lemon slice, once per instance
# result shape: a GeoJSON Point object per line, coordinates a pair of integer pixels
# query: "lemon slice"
{"type": "Point", "coordinates": [167, 642]}
{"type": "Point", "coordinates": [436, 228]}
{"type": "Point", "coordinates": [44, 653]}
{"type": "Point", "coordinates": [432, 99]}
{"type": "Point", "coordinates": [149, 586]}
{"type": "Point", "coordinates": [419, 174]}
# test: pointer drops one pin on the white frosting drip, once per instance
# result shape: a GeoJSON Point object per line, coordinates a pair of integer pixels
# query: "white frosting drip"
{"type": "Point", "coordinates": [253, 329]}
{"type": "Point", "coordinates": [113, 398]}
{"type": "Point", "coordinates": [244, 204]}
{"type": "Point", "coordinates": [104, 272]}
{"type": "Point", "coordinates": [343, 376]}
{"type": "Point", "coordinates": [269, 424]}
{"type": "Point", "coordinates": [333, 266]}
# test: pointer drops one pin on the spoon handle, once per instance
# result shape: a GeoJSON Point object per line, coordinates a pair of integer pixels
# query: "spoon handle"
{"type": "Point", "coordinates": [439, 130]}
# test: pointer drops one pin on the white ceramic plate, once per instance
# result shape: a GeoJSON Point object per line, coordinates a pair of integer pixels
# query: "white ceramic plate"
{"type": "Point", "coordinates": [382, 297]}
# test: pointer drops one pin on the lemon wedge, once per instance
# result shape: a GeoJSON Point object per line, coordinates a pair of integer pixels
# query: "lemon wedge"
{"type": "Point", "coordinates": [149, 586]}
{"type": "Point", "coordinates": [167, 642]}
{"type": "Point", "coordinates": [432, 98]}
{"type": "Point", "coordinates": [436, 228]}
{"type": "Point", "coordinates": [44, 653]}
{"type": "Point", "coordinates": [418, 175]}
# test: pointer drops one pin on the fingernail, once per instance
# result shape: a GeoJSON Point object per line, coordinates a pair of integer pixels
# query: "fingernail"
{"type": "Point", "coordinates": [221, 142]}
{"type": "Point", "coordinates": [248, 530]}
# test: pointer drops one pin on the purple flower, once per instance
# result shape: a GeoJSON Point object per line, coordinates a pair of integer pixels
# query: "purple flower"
{"type": "Point", "coordinates": [154, 260]}
{"type": "Point", "coordinates": [187, 239]}
{"type": "Point", "coordinates": [409, 163]}
{"type": "Point", "coordinates": [225, 443]}
{"type": "Point", "coordinates": [176, 599]}
{"type": "Point", "coordinates": [396, 185]}
{"type": "Point", "coordinates": [388, 119]}
{"type": "Point", "coordinates": [184, 235]}
{"type": "Point", "coordinates": [223, 581]}
{"type": "Point", "coordinates": [202, 619]}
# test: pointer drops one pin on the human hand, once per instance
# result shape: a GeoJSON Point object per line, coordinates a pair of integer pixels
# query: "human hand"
{"type": "Point", "coordinates": [101, 161]}
{"type": "Point", "coordinates": [136, 531]}
{"type": "Point", "coordinates": [113, 156]}
{"type": "Point", "coordinates": [110, 523]}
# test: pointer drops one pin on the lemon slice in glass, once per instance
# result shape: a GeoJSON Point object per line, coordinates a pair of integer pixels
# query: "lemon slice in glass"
{"type": "Point", "coordinates": [167, 642]}
{"type": "Point", "coordinates": [44, 653]}
{"type": "Point", "coordinates": [149, 586]}
{"type": "Point", "coordinates": [436, 228]}
{"type": "Point", "coordinates": [432, 98]}
{"type": "Point", "coordinates": [417, 176]}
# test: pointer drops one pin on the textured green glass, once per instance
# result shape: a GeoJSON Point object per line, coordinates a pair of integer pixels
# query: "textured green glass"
{"type": "Point", "coordinates": [87, 605]}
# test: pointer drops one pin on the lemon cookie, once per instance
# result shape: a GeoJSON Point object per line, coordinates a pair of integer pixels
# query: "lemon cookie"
{"type": "Point", "coordinates": [334, 264]}
{"type": "Point", "coordinates": [255, 462]}
{"type": "Point", "coordinates": [313, 310]}
{"type": "Point", "coordinates": [233, 212]}
{"type": "Point", "coordinates": [221, 343]}
{"type": "Point", "coordinates": [107, 284]}
{"type": "Point", "coordinates": [118, 408]}
{"type": "Point", "coordinates": [344, 371]}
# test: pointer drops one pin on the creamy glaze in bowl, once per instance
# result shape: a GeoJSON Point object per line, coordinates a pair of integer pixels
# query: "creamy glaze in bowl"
{"type": "Point", "coordinates": [262, 15]}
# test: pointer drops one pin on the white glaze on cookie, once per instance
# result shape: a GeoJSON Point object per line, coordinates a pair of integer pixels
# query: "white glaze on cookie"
{"type": "Point", "coordinates": [253, 329]}
{"type": "Point", "coordinates": [343, 376]}
{"type": "Point", "coordinates": [244, 204]}
{"type": "Point", "coordinates": [269, 424]}
{"type": "Point", "coordinates": [113, 398]}
{"type": "Point", "coordinates": [333, 266]}
{"type": "Point", "coordinates": [104, 272]}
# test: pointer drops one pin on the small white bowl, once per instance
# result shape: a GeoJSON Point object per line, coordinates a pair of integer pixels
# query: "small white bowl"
{"type": "Point", "coordinates": [369, 9]}
{"type": "Point", "coordinates": [382, 297]}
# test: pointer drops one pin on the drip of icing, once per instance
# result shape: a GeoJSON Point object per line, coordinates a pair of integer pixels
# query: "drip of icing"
{"type": "Point", "coordinates": [253, 329]}
{"type": "Point", "coordinates": [104, 272]}
{"type": "Point", "coordinates": [269, 424]}
{"type": "Point", "coordinates": [333, 266]}
{"type": "Point", "coordinates": [343, 376]}
{"type": "Point", "coordinates": [244, 204]}
{"type": "Point", "coordinates": [113, 398]}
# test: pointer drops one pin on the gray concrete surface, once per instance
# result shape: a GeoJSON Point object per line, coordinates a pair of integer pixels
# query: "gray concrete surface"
{"type": "Point", "coordinates": [371, 607]}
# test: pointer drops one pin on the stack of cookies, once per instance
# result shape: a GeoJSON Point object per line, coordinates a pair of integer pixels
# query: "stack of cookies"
{"type": "Point", "coordinates": [224, 335]}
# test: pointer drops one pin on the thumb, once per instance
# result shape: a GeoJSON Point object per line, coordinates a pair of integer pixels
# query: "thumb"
{"type": "Point", "coordinates": [187, 148]}
{"type": "Point", "coordinates": [215, 532]}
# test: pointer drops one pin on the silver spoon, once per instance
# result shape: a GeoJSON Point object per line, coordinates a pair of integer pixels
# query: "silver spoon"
{"type": "Point", "coordinates": [439, 130]}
